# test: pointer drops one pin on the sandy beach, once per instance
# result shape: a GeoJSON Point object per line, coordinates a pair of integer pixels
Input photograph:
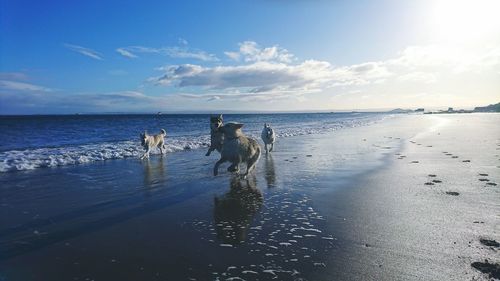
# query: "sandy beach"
{"type": "Point", "coordinates": [413, 197]}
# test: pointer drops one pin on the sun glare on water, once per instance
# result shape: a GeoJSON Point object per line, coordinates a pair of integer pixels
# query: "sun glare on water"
{"type": "Point", "coordinates": [461, 21]}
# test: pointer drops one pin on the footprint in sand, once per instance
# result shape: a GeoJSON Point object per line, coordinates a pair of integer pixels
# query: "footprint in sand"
{"type": "Point", "coordinates": [489, 242]}
{"type": "Point", "coordinates": [414, 162]}
{"type": "Point", "coordinates": [453, 193]}
{"type": "Point", "coordinates": [466, 161]}
{"type": "Point", "coordinates": [491, 183]}
{"type": "Point", "coordinates": [454, 156]}
{"type": "Point", "coordinates": [492, 269]}
{"type": "Point", "coordinates": [429, 183]}
{"type": "Point", "coordinates": [437, 181]}
{"type": "Point", "coordinates": [484, 180]}
{"type": "Point", "coordinates": [432, 175]}
{"type": "Point", "coordinates": [483, 175]}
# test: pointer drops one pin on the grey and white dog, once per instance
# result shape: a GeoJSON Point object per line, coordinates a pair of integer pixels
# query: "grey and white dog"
{"type": "Point", "coordinates": [152, 141]}
{"type": "Point", "coordinates": [216, 135]}
{"type": "Point", "coordinates": [268, 137]}
{"type": "Point", "coordinates": [237, 148]}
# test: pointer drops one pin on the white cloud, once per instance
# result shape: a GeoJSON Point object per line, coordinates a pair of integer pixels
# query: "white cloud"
{"type": "Point", "coordinates": [361, 74]}
{"type": "Point", "coordinates": [60, 102]}
{"type": "Point", "coordinates": [125, 53]}
{"type": "Point", "coordinates": [424, 77]}
{"type": "Point", "coordinates": [454, 58]}
{"type": "Point", "coordinates": [267, 74]}
{"type": "Point", "coordinates": [250, 51]}
{"type": "Point", "coordinates": [84, 51]}
{"type": "Point", "coordinates": [233, 55]}
{"type": "Point", "coordinates": [21, 86]}
{"type": "Point", "coordinates": [251, 78]}
{"type": "Point", "coordinates": [13, 76]}
{"type": "Point", "coordinates": [175, 52]}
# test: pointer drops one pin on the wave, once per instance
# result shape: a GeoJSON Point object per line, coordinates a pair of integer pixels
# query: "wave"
{"type": "Point", "coordinates": [29, 159]}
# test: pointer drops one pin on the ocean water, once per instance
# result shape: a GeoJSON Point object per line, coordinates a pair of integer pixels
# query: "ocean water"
{"type": "Point", "coordinates": [31, 142]}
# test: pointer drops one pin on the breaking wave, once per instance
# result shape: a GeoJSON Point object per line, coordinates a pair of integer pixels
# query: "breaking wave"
{"type": "Point", "coordinates": [28, 159]}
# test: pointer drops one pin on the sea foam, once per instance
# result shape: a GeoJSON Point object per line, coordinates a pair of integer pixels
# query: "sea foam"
{"type": "Point", "coordinates": [33, 158]}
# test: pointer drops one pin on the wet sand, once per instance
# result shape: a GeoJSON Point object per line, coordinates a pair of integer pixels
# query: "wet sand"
{"type": "Point", "coordinates": [366, 203]}
{"type": "Point", "coordinates": [431, 213]}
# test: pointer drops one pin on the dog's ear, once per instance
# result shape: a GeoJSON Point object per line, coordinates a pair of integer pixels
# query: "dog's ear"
{"type": "Point", "coordinates": [220, 116]}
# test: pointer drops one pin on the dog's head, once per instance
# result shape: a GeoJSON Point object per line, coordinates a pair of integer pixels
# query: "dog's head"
{"type": "Point", "coordinates": [268, 130]}
{"type": "Point", "coordinates": [144, 138]}
{"type": "Point", "coordinates": [216, 122]}
{"type": "Point", "coordinates": [232, 130]}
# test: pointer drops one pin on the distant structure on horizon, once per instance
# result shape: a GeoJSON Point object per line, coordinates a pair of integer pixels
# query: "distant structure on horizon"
{"type": "Point", "coordinates": [489, 108]}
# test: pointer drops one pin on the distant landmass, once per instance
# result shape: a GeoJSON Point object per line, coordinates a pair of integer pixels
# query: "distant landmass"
{"type": "Point", "coordinates": [488, 108]}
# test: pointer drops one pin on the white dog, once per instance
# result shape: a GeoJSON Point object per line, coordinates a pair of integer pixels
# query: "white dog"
{"type": "Point", "coordinates": [149, 142]}
{"type": "Point", "coordinates": [268, 136]}
{"type": "Point", "coordinates": [237, 148]}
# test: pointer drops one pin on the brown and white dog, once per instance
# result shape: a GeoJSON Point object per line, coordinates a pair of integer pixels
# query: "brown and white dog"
{"type": "Point", "coordinates": [152, 141]}
{"type": "Point", "coordinates": [237, 148]}
{"type": "Point", "coordinates": [216, 135]}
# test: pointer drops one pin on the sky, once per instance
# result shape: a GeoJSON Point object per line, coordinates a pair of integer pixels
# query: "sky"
{"type": "Point", "coordinates": [65, 57]}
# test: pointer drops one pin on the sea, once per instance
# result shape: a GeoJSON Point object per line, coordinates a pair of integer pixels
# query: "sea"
{"type": "Point", "coordinates": [41, 141]}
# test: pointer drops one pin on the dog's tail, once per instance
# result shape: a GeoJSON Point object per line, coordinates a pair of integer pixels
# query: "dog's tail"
{"type": "Point", "coordinates": [163, 132]}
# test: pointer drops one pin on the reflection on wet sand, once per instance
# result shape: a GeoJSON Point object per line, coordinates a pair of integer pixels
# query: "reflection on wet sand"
{"type": "Point", "coordinates": [270, 173]}
{"type": "Point", "coordinates": [154, 172]}
{"type": "Point", "coordinates": [233, 212]}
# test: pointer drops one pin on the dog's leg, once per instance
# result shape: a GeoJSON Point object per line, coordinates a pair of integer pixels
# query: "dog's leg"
{"type": "Point", "coordinates": [233, 168]}
{"type": "Point", "coordinates": [161, 149]}
{"type": "Point", "coordinates": [272, 146]}
{"type": "Point", "coordinates": [146, 154]}
{"type": "Point", "coordinates": [251, 163]}
{"type": "Point", "coordinates": [209, 151]}
{"type": "Point", "coordinates": [265, 146]}
{"type": "Point", "coordinates": [217, 164]}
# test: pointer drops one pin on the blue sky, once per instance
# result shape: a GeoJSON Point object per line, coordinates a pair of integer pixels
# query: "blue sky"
{"type": "Point", "coordinates": [275, 55]}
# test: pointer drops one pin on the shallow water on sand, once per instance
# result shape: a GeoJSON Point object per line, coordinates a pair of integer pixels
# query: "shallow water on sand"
{"type": "Point", "coordinates": [169, 219]}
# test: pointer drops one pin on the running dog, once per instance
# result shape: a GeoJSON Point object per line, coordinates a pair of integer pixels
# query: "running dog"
{"type": "Point", "coordinates": [237, 148]}
{"type": "Point", "coordinates": [149, 142]}
{"type": "Point", "coordinates": [216, 135]}
{"type": "Point", "coordinates": [268, 137]}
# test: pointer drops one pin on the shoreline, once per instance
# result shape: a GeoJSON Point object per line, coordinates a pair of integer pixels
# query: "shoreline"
{"type": "Point", "coordinates": [308, 212]}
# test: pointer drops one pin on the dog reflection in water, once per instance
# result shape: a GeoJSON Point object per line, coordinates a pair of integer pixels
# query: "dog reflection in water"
{"type": "Point", "coordinates": [154, 172]}
{"type": "Point", "coordinates": [234, 211]}
{"type": "Point", "coordinates": [269, 172]}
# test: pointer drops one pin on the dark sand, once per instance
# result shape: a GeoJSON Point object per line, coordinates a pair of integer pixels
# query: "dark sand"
{"type": "Point", "coordinates": [350, 205]}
